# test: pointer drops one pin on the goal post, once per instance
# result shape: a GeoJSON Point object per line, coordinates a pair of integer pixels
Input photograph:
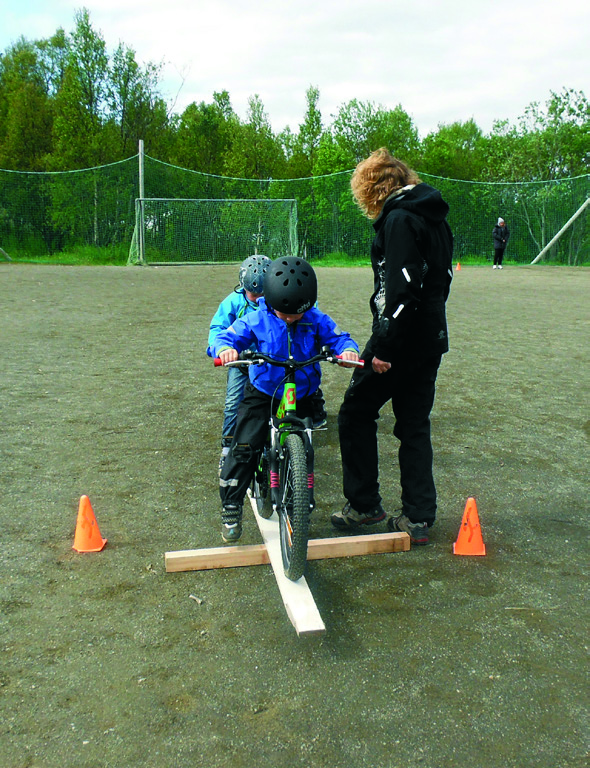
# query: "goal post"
{"type": "Point", "coordinates": [193, 231]}
{"type": "Point", "coordinates": [556, 237]}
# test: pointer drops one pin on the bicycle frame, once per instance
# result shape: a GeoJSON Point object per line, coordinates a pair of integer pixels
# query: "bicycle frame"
{"type": "Point", "coordinates": [283, 423]}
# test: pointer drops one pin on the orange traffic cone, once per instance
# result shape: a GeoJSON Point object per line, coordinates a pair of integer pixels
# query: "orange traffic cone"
{"type": "Point", "coordinates": [469, 540]}
{"type": "Point", "coordinates": [458, 267]}
{"type": "Point", "coordinates": [87, 538]}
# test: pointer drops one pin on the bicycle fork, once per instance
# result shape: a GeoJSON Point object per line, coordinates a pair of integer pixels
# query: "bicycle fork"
{"type": "Point", "coordinates": [276, 455]}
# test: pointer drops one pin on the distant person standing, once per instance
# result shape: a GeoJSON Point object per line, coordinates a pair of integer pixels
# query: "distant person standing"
{"type": "Point", "coordinates": [500, 235]}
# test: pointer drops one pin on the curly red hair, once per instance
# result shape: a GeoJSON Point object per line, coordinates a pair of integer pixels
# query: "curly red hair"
{"type": "Point", "coordinates": [375, 178]}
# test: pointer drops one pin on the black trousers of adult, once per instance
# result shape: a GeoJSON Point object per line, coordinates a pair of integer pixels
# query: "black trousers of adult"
{"type": "Point", "coordinates": [498, 256]}
{"type": "Point", "coordinates": [410, 385]}
{"type": "Point", "coordinates": [249, 439]}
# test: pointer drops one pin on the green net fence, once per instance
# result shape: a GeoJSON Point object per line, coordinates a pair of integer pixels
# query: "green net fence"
{"type": "Point", "coordinates": [51, 214]}
{"type": "Point", "coordinates": [48, 214]}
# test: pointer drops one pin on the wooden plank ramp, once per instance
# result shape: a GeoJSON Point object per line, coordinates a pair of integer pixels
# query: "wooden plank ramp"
{"type": "Point", "coordinates": [297, 598]}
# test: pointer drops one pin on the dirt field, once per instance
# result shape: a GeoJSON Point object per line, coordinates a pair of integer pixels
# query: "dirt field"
{"type": "Point", "coordinates": [429, 659]}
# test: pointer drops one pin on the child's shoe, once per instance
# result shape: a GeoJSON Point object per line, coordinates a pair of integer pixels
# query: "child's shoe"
{"type": "Point", "coordinates": [231, 518]}
{"type": "Point", "coordinates": [231, 533]}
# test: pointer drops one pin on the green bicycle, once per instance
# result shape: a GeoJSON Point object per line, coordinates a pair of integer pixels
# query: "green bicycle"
{"type": "Point", "coordinates": [284, 479]}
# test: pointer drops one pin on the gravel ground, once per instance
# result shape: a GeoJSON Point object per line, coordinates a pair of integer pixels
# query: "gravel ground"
{"type": "Point", "coordinates": [429, 659]}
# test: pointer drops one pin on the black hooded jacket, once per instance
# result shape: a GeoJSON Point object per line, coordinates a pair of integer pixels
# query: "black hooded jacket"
{"type": "Point", "coordinates": [411, 257]}
{"type": "Point", "coordinates": [500, 236]}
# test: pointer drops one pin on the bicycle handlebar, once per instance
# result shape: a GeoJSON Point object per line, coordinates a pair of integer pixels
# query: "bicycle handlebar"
{"type": "Point", "coordinates": [251, 357]}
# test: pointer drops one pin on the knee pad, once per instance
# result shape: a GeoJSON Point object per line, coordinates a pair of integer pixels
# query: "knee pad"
{"type": "Point", "coordinates": [243, 453]}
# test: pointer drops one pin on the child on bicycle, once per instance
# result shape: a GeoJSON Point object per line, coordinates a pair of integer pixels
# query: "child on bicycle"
{"type": "Point", "coordinates": [287, 324]}
{"type": "Point", "coordinates": [241, 301]}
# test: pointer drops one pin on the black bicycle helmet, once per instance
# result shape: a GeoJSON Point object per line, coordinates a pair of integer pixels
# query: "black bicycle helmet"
{"type": "Point", "coordinates": [290, 285]}
{"type": "Point", "coordinates": [252, 272]}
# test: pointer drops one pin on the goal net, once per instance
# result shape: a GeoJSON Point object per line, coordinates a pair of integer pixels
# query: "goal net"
{"type": "Point", "coordinates": [184, 231]}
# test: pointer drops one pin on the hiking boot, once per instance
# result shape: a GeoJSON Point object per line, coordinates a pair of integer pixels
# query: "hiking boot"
{"type": "Point", "coordinates": [418, 532]}
{"type": "Point", "coordinates": [231, 533]}
{"type": "Point", "coordinates": [350, 519]}
{"type": "Point", "coordinates": [231, 518]}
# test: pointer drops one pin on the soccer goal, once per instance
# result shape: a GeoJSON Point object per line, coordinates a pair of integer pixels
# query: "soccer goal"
{"type": "Point", "coordinates": [187, 231]}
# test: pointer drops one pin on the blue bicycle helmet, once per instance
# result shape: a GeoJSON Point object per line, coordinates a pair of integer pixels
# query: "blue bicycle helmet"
{"type": "Point", "coordinates": [252, 272]}
{"type": "Point", "coordinates": [290, 285]}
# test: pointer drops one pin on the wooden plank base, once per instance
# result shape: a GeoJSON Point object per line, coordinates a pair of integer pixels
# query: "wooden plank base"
{"type": "Point", "coordinates": [216, 557]}
{"type": "Point", "coordinates": [256, 554]}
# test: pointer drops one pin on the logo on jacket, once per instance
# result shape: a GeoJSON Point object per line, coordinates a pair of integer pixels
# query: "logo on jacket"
{"type": "Point", "coordinates": [442, 335]}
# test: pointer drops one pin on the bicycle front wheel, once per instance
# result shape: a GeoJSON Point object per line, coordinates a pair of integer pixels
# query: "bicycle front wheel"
{"type": "Point", "coordinates": [294, 510]}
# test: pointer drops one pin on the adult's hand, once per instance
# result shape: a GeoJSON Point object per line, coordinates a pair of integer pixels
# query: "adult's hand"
{"type": "Point", "coordinates": [380, 366]}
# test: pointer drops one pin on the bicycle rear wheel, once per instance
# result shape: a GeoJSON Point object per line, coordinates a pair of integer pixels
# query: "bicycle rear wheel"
{"type": "Point", "coordinates": [294, 510]}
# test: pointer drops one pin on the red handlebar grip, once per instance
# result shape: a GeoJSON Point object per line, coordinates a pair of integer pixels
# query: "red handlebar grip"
{"type": "Point", "coordinates": [359, 362]}
{"type": "Point", "coordinates": [217, 362]}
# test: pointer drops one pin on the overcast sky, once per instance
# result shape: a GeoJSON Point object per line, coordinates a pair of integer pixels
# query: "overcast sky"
{"type": "Point", "coordinates": [441, 60]}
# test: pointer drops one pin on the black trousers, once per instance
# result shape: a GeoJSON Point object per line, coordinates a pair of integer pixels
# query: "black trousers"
{"type": "Point", "coordinates": [249, 439]}
{"type": "Point", "coordinates": [410, 385]}
{"type": "Point", "coordinates": [498, 256]}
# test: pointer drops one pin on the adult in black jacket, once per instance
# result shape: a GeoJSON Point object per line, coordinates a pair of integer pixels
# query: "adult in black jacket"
{"type": "Point", "coordinates": [500, 236]}
{"type": "Point", "coordinates": [411, 256]}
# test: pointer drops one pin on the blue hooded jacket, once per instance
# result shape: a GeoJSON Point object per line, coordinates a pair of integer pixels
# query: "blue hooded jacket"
{"type": "Point", "coordinates": [264, 331]}
{"type": "Point", "coordinates": [233, 307]}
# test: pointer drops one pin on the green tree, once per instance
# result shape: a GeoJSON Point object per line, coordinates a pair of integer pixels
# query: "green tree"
{"type": "Point", "coordinates": [255, 151]}
{"type": "Point", "coordinates": [25, 109]}
{"type": "Point", "coordinates": [204, 135]}
{"type": "Point", "coordinates": [557, 138]}
{"type": "Point", "coordinates": [550, 143]}
{"type": "Point", "coordinates": [399, 134]}
{"type": "Point", "coordinates": [356, 127]}
{"type": "Point", "coordinates": [88, 61]}
{"type": "Point", "coordinates": [28, 130]}
{"type": "Point", "coordinates": [302, 149]}
{"type": "Point", "coordinates": [80, 104]}
{"type": "Point", "coordinates": [134, 101]}
{"type": "Point", "coordinates": [362, 127]}
{"type": "Point", "coordinates": [332, 157]}
{"type": "Point", "coordinates": [52, 58]}
{"type": "Point", "coordinates": [546, 143]}
{"type": "Point", "coordinates": [453, 151]}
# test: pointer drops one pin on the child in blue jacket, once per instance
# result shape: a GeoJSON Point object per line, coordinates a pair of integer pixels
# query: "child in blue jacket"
{"type": "Point", "coordinates": [240, 302]}
{"type": "Point", "coordinates": [286, 324]}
